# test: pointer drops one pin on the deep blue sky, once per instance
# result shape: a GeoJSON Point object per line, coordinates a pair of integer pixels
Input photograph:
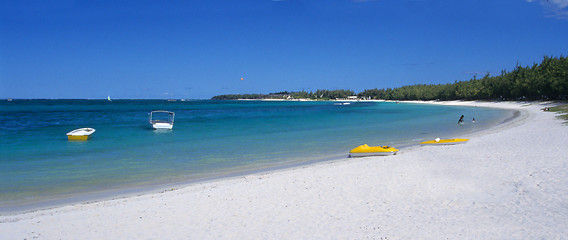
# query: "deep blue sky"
{"type": "Point", "coordinates": [198, 49]}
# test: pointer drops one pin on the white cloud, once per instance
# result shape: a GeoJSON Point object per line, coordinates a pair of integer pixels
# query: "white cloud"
{"type": "Point", "coordinates": [554, 8]}
{"type": "Point", "coordinates": [561, 4]}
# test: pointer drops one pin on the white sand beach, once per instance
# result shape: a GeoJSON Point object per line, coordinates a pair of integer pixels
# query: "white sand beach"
{"type": "Point", "coordinates": [507, 183]}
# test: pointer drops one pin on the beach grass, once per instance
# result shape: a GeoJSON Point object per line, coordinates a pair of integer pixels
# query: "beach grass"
{"type": "Point", "coordinates": [562, 111]}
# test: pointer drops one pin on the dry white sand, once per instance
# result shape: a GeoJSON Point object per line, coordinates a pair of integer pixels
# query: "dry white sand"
{"type": "Point", "coordinates": [508, 183]}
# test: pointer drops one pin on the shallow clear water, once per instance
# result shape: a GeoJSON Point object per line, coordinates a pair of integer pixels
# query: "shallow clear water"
{"type": "Point", "coordinates": [209, 139]}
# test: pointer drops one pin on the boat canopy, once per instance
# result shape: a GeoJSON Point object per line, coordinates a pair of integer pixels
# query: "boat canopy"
{"type": "Point", "coordinates": [161, 116]}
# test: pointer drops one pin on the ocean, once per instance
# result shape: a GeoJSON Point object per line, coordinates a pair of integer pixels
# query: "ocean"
{"type": "Point", "coordinates": [210, 139]}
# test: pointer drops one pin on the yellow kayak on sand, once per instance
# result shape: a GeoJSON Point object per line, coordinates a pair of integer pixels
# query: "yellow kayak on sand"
{"type": "Point", "coordinates": [366, 150]}
{"type": "Point", "coordinates": [438, 141]}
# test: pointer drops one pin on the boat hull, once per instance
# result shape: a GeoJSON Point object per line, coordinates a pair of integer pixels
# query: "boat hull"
{"type": "Point", "coordinates": [445, 141]}
{"type": "Point", "coordinates": [78, 138]}
{"type": "Point", "coordinates": [165, 126]}
{"type": "Point", "coordinates": [369, 154]}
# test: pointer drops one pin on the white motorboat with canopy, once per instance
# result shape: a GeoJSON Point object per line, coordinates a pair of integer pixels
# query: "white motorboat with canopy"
{"type": "Point", "coordinates": [161, 119]}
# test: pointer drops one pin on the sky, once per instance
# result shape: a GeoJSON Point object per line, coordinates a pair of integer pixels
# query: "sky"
{"type": "Point", "coordinates": [144, 49]}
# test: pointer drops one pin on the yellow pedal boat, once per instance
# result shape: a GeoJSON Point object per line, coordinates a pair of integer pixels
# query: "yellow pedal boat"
{"type": "Point", "coordinates": [80, 134]}
{"type": "Point", "coordinates": [366, 150]}
{"type": "Point", "coordinates": [439, 141]}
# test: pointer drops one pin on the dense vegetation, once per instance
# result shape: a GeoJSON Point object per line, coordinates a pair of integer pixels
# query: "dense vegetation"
{"type": "Point", "coordinates": [547, 81]}
{"type": "Point", "coordinates": [319, 95]}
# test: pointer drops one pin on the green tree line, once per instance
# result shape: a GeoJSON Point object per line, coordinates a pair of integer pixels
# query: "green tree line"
{"type": "Point", "coordinates": [317, 95]}
{"type": "Point", "coordinates": [547, 81]}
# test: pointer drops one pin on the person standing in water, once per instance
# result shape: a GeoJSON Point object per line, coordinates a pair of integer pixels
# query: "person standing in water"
{"type": "Point", "coordinates": [461, 120]}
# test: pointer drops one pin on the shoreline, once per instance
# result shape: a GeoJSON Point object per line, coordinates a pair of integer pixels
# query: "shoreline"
{"type": "Point", "coordinates": [358, 198]}
{"type": "Point", "coordinates": [153, 187]}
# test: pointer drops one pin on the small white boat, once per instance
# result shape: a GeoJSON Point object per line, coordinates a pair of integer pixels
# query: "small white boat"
{"type": "Point", "coordinates": [342, 104]}
{"type": "Point", "coordinates": [162, 119]}
{"type": "Point", "coordinates": [80, 134]}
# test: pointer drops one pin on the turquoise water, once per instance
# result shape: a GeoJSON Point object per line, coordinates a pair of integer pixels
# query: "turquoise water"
{"type": "Point", "coordinates": [210, 139]}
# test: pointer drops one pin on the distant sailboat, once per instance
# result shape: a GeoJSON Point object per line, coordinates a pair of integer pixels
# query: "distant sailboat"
{"type": "Point", "coordinates": [108, 98]}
